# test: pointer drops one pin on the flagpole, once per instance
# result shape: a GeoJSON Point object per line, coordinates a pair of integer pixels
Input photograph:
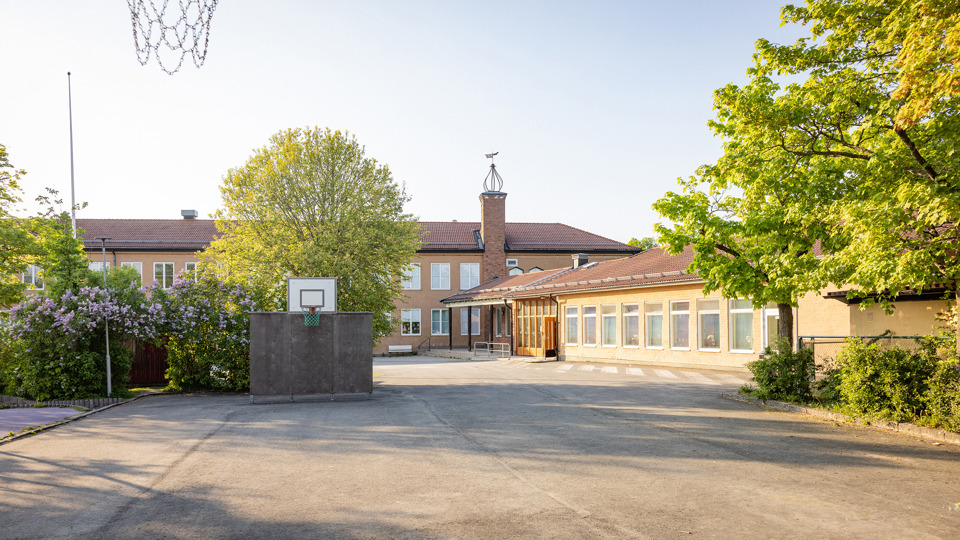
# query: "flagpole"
{"type": "Point", "coordinates": [73, 193]}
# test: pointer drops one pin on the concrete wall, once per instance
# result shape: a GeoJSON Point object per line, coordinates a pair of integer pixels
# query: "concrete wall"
{"type": "Point", "coordinates": [293, 362]}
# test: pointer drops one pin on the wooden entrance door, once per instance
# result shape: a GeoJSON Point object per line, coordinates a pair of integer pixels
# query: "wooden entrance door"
{"type": "Point", "coordinates": [535, 333]}
{"type": "Point", "coordinates": [550, 336]}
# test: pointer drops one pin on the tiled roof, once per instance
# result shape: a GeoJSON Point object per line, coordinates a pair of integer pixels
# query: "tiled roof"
{"type": "Point", "coordinates": [195, 234]}
{"type": "Point", "coordinates": [650, 268]}
{"type": "Point", "coordinates": [148, 234]}
{"type": "Point", "coordinates": [460, 235]}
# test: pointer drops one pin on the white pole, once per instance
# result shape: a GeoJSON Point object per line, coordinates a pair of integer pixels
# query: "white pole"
{"type": "Point", "coordinates": [73, 194]}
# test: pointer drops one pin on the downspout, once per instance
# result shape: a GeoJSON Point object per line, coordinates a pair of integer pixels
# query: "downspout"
{"type": "Point", "coordinates": [469, 328]}
{"type": "Point", "coordinates": [450, 326]}
{"type": "Point", "coordinates": [512, 326]}
{"type": "Point", "coordinates": [556, 333]}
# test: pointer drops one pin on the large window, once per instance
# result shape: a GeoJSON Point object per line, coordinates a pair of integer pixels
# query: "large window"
{"type": "Point", "coordinates": [97, 266]}
{"type": "Point", "coordinates": [680, 325]}
{"type": "Point", "coordinates": [708, 325]}
{"type": "Point", "coordinates": [631, 324]}
{"type": "Point", "coordinates": [589, 325]}
{"type": "Point", "coordinates": [570, 329]}
{"type": "Point", "coordinates": [474, 314]}
{"type": "Point", "coordinates": [653, 324]}
{"type": "Point", "coordinates": [741, 325]}
{"type": "Point", "coordinates": [411, 277]}
{"type": "Point", "coordinates": [410, 322]}
{"type": "Point", "coordinates": [608, 325]}
{"type": "Point", "coordinates": [501, 322]}
{"type": "Point", "coordinates": [32, 276]}
{"type": "Point", "coordinates": [190, 269]}
{"type": "Point", "coordinates": [469, 275]}
{"type": "Point", "coordinates": [440, 276]}
{"type": "Point", "coordinates": [138, 266]}
{"type": "Point", "coordinates": [163, 274]}
{"type": "Point", "coordinates": [439, 322]}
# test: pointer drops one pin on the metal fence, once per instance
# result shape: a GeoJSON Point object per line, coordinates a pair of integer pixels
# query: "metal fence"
{"type": "Point", "coordinates": [827, 347]}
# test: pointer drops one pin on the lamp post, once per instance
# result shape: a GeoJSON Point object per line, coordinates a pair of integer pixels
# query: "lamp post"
{"type": "Point", "coordinates": [106, 319]}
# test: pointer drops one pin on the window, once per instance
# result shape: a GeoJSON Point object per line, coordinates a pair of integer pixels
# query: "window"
{"type": "Point", "coordinates": [474, 321]}
{"type": "Point", "coordinates": [469, 275]}
{"type": "Point", "coordinates": [570, 329]}
{"type": "Point", "coordinates": [631, 324]}
{"type": "Point", "coordinates": [138, 266]}
{"type": "Point", "coordinates": [409, 322]}
{"type": "Point", "coordinates": [97, 266]}
{"type": "Point", "coordinates": [163, 274]}
{"type": "Point", "coordinates": [741, 325]}
{"type": "Point", "coordinates": [589, 325]}
{"type": "Point", "coordinates": [515, 271]}
{"type": "Point", "coordinates": [653, 327]}
{"type": "Point", "coordinates": [608, 325]}
{"type": "Point", "coordinates": [680, 325]}
{"type": "Point", "coordinates": [512, 262]}
{"type": "Point", "coordinates": [439, 322]}
{"type": "Point", "coordinates": [32, 277]}
{"type": "Point", "coordinates": [440, 276]}
{"type": "Point", "coordinates": [708, 325]}
{"type": "Point", "coordinates": [190, 269]}
{"type": "Point", "coordinates": [411, 277]}
{"type": "Point", "coordinates": [501, 324]}
{"type": "Point", "coordinates": [535, 269]}
{"type": "Point", "coordinates": [771, 323]}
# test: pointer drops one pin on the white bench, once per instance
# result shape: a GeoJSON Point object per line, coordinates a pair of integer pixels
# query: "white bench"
{"type": "Point", "coordinates": [400, 349]}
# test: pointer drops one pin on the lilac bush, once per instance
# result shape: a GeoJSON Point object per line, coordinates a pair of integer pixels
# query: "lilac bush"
{"type": "Point", "coordinates": [56, 348]}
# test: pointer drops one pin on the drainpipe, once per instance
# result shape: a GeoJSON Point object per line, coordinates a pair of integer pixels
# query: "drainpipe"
{"type": "Point", "coordinates": [509, 311]}
{"type": "Point", "coordinates": [450, 326]}
{"type": "Point", "coordinates": [556, 324]}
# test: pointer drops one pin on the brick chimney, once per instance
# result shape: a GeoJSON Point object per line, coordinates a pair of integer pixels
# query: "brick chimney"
{"type": "Point", "coordinates": [493, 233]}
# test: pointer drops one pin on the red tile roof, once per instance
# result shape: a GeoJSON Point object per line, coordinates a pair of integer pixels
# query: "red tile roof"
{"type": "Point", "coordinates": [195, 234]}
{"type": "Point", "coordinates": [650, 268]}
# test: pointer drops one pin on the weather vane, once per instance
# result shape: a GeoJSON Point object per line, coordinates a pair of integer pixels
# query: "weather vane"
{"type": "Point", "coordinates": [493, 182]}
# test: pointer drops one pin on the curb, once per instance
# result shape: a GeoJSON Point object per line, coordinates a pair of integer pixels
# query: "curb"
{"type": "Point", "coordinates": [37, 429]}
{"type": "Point", "coordinates": [899, 427]}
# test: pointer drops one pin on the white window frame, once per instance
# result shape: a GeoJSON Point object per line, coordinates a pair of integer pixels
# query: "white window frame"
{"type": "Point", "coordinates": [628, 312]}
{"type": "Point", "coordinates": [515, 271]}
{"type": "Point", "coordinates": [410, 321]}
{"type": "Point", "coordinates": [463, 321]}
{"type": "Point", "coordinates": [97, 266]}
{"type": "Point", "coordinates": [32, 277]}
{"type": "Point", "coordinates": [437, 323]}
{"type": "Point", "coordinates": [469, 275]}
{"type": "Point", "coordinates": [440, 276]}
{"type": "Point", "coordinates": [571, 315]}
{"type": "Point", "coordinates": [769, 311]}
{"type": "Point", "coordinates": [410, 281]}
{"type": "Point", "coordinates": [589, 313]}
{"type": "Point", "coordinates": [512, 263]}
{"type": "Point", "coordinates": [647, 315]}
{"type": "Point", "coordinates": [676, 313]}
{"type": "Point", "coordinates": [703, 308]}
{"type": "Point", "coordinates": [605, 316]}
{"type": "Point", "coordinates": [163, 277]}
{"type": "Point", "coordinates": [138, 266]}
{"type": "Point", "coordinates": [733, 311]}
{"type": "Point", "coordinates": [191, 272]}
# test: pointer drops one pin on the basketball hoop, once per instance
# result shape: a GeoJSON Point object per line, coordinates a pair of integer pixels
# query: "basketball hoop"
{"type": "Point", "coordinates": [311, 317]}
{"type": "Point", "coordinates": [185, 28]}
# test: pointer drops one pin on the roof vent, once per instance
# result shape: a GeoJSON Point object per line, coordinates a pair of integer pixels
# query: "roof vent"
{"type": "Point", "coordinates": [580, 259]}
{"type": "Point", "coordinates": [189, 214]}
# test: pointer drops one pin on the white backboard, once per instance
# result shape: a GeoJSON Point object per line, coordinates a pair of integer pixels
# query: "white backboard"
{"type": "Point", "coordinates": [312, 291]}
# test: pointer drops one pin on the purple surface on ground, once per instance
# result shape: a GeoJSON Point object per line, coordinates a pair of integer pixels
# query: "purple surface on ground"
{"type": "Point", "coordinates": [16, 419]}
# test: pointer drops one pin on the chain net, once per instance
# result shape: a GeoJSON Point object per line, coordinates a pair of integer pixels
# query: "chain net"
{"type": "Point", "coordinates": [169, 29]}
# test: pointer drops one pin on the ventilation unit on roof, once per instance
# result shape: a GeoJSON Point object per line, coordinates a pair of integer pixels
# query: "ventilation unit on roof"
{"type": "Point", "coordinates": [189, 214]}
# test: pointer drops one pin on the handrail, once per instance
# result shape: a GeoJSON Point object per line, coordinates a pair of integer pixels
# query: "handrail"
{"type": "Point", "coordinates": [427, 341]}
{"type": "Point", "coordinates": [489, 348]}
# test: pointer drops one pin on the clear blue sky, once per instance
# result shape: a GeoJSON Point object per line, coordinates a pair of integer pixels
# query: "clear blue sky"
{"type": "Point", "coordinates": [595, 107]}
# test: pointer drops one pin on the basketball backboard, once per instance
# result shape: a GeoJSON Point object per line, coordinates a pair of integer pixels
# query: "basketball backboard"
{"type": "Point", "coordinates": [306, 292]}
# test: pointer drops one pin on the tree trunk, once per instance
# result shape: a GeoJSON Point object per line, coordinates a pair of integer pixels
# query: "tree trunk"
{"type": "Point", "coordinates": [785, 324]}
{"type": "Point", "coordinates": [956, 322]}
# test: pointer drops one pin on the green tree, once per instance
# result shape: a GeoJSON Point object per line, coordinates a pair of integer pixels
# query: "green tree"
{"type": "Point", "coordinates": [645, 243]}
{"type": "Point", "coordinates": [18, 245]}
{"type": "Point", "coordinates": [312, 204]}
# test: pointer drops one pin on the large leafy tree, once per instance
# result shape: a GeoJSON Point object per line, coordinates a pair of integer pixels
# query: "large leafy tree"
{"type": "Point", "coordinates": [19, 247]}
{"type": "Point", "coordinates": [311, 203]}
{"type": "Point", "coordinates": [859, 150]}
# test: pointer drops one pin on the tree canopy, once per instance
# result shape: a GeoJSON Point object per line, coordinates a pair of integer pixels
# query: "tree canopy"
{"type": "Point", "coordinates": [311, 203]}
{"type": "Point", "coordinates": [18, 246]}
{"type": "Point", "coordinates": [845, 140]}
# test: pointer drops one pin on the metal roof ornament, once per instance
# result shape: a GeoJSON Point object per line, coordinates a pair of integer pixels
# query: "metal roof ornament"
{"type": "Point", "coordinates": [493, 182]}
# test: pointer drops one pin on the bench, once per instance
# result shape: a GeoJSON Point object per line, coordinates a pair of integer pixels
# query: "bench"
{"type": "Point", "coordinates": [400, 349]}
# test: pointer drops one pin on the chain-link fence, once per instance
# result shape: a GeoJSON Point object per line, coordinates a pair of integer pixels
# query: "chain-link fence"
{"type": "Point", "coordinates": [826, 347]}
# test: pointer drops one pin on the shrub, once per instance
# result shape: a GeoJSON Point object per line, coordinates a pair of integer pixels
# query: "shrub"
{"type": "Point", "coordinates": [207, 334]}
{"type": "Point", "coordinates": [56, 349]}
{"type": "Point", "coordinates": [889, 383]}
{"type": "Point", "coordinates": [784, 375]}
{"type": "Point", "coordinates": [942, 398]}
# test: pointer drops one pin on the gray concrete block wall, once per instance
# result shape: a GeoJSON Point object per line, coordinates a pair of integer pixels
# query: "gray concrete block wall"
{"type": "Point", "coordinates": [290, 361]}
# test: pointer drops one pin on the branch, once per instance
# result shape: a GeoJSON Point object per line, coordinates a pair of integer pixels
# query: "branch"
{"type": "Point", "coordinates": [928, 169]}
